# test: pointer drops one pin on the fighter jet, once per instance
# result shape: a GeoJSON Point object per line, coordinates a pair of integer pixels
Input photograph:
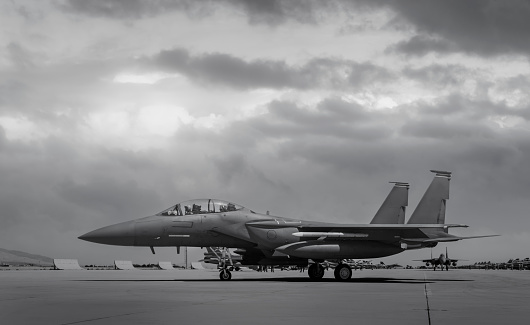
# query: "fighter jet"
{"type": "Point", "coordinates": [442, 260]}
{"type": "Point", "coordinates": [263, 239]}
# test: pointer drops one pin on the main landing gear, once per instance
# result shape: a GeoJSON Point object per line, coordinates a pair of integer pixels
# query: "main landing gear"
{"type": "Point", "coordinates": [342, 272]}
{"type": "Point", "coordinates": [315, 271]}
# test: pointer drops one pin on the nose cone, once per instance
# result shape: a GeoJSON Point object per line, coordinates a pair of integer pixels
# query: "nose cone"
{"type": "Point", "coordinates": [121, 234]}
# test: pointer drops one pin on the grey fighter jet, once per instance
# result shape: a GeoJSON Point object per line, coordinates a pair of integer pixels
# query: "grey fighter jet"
{"type": "Point", "coordinates": [263, 239]}
{"type": "Point", "coordinates": [443, 261]}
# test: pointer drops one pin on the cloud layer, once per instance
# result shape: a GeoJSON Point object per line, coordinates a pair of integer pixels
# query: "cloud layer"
{"type": "Point", "coordinates": [113, 110]}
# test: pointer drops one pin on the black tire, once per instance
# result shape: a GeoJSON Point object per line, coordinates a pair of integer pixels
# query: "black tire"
{"type": "Point", "coordinates": [335, 272]}
{"type": "Point", "coordinates": [342, 272]}
{"type": "Point", "coordinates": [315, 272]}
{"type": "Point", "coordinates": [225, 275]}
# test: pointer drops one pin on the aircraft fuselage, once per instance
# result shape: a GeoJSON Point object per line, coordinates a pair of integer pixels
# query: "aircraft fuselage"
{"type": "Point", "coordinates": [243, 229]}
{"type": "Point", "coordinates": [265, 239]}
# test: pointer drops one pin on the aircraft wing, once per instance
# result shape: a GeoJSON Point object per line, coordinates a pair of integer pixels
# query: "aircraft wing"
{"type": "Point", "coordinates": [359, 231]}
{"type": "Point", "coordinates": [453, 260]}
{"type": "Point", "coordinates": [445, 238]}
{"type": "Point", "coordinates": [421, 233]}
{"type": "Point", "coordinates": [412, 233]}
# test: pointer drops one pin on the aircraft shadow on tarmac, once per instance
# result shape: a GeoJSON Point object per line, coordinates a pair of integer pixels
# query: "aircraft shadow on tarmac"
{"type": "Point", "coordinates": [301, 279]}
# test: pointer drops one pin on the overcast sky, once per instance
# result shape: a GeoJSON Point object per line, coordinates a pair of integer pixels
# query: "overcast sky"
{"type": "Point", "coordinates": [115, 110]}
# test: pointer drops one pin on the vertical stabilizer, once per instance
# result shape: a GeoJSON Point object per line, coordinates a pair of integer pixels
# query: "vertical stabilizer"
{"type": "Point", "coordinates": [431, 209]}
{"type": "Point", "coordinates": [392, 210]}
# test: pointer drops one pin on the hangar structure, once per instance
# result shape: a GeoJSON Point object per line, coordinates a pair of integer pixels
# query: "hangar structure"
{"type": "Point", "coordinates": [66, 264]}
{"type": "Point", "coordinates": [123, 265]}
{"type": "Point", "coordinates": [165, 266]}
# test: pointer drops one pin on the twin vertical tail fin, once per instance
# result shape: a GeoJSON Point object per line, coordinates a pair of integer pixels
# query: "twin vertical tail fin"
{"type": "Point", "coordinates": [392, 211]}
{"type": "Point", "coordinates": [431, 209]}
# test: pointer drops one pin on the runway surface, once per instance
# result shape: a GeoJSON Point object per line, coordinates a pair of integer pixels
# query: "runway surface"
{"type": "Point", "coordinates": [287, 297]}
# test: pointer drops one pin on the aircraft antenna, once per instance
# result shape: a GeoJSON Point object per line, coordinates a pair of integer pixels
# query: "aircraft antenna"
{"type": "Point", "coordinates": [401, 184]}
{"type": "Point", "coordinates": [442, 173]}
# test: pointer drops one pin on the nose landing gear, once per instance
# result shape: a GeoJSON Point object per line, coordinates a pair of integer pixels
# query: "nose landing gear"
{"type": "Point", "coordinates": [224, 274]}
{"type": "Point", "coordinates": [225, 264]}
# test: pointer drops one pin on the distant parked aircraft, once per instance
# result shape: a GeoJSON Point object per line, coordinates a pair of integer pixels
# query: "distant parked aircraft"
{"type": "Point", "coordinates": [518, 263]}
{"type": "Point", "coordinates": [389, 266]}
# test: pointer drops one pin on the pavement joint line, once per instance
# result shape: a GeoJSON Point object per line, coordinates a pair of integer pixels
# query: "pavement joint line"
{"type": "Point", "coordinates": [99, 318]}
{"type": "Point", "coordinates": [427, 299]}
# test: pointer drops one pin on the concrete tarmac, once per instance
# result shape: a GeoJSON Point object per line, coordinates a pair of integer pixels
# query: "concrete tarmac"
{"type": "Point", "coordinates": [286, 297]}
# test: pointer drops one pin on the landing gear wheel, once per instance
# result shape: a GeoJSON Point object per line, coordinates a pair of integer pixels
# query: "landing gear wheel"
{"type": "Point", "coordinates": [342, 272]}
{"type": "Point", "coordinates": [225, 263]}
{"type": "Point", "coordinates": [225, 275]}
{"type": "Point", "coordinates": [315, 271]}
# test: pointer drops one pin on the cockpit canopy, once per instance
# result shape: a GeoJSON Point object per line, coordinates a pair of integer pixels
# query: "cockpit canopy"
{"type": "Point", "coordinates": [200, 206]}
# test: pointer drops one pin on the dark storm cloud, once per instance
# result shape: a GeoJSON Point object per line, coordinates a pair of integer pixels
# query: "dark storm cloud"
{"type": "Point", "coordinates": [279, 11]}
{"type": "Point", "coordinates": [437, 74]}
{"type": "Point", "coordinates": [229, 166]}
{"type": "Point", "coordinates": [21, 57]}
{"type": "Point", "coordinates": [519, 82]}
{"type": "Point", "coordinates": [479, 108]}
{"type": "Point", "coordinates": [270, 12]}
{"type": "Point", "coordinates": [68, 183]}
{"type": "Point", "coordinates": [518, 86]}
{"type": "Point", "coordinates": [339, 135]}
{"type": "Point", "coordinates": [123, 9]}
{"type": "Point", "coordinates": [226, 69]}
{"type": "Point", "coordinates": [453, 133]}
{"type": "Point", "coordinates": [335, 134]}
{"type": "Point", "coordinates": [3, 139]}
{"type": "Point", "coordinates": [106, 196]}
{"type": "Point", "coordinates": [422, 45]}
{"type": "Point", "coordinates": [441, 129]}
{"type": "Point", "coordinates": [458, 132]}
{"type": "Point", "coordinates": [58, 94]}
{"type": "Point", "coordinates": [478, 27]}
{"type": "Point", "coordinates": [331, 118]}
{"type": "Point", "coordinates": [232, 168]}
{"type": "Point", "coordinates": [363, 74]}
{"type": "Point", "coordinates": [13, 92]}
{"type": "Point", "coordinates": [231, 71]}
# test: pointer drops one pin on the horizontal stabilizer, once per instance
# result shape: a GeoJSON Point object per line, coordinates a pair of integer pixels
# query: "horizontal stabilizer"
{"type": "Point", "coordinates": [441, 173]}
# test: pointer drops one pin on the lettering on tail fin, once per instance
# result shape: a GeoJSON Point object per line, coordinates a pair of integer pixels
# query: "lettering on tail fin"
{"type": "Point", "coordinates": [392, 211]}
{"type": "Point", "coordinates": [431, 209]}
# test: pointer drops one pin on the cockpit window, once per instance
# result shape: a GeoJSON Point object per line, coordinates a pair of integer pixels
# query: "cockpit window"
{"type": "Point", "coordinates": [202, 206]}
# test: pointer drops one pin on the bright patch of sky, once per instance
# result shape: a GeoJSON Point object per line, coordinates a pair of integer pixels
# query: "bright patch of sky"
{"type": "Point", "coordinates": [149, 78]}
{"type": "Point", "coordinates": [21, 128]}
